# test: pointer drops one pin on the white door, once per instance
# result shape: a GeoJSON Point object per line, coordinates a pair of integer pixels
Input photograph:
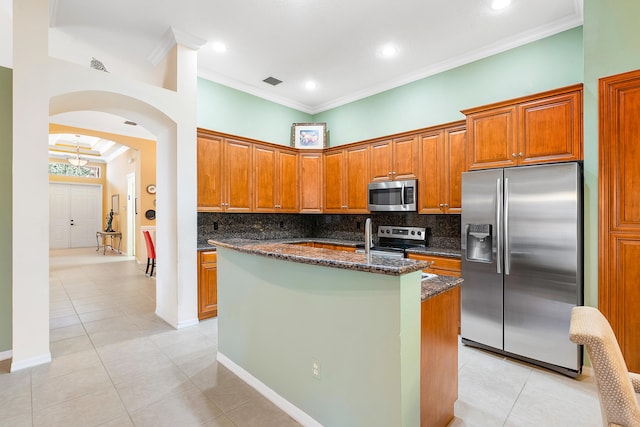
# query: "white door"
{"type": "Point", "coordinates": [74, 215]}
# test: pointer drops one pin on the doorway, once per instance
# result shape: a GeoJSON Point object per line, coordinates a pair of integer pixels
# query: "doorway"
{"type": "Point", "coordinates": [132, 210]}
{"type": "Point", "coordinates": [74, 215]}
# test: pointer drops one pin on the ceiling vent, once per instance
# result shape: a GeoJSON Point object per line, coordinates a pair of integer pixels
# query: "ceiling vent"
{"type": "Point", "coordinates": [272, 81]}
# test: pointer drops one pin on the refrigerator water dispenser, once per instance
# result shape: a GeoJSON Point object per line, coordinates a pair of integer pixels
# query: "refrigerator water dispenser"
{"type": "Point", "coordinates": [479, 242]}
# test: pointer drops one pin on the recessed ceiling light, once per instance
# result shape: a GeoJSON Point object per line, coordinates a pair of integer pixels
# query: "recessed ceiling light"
{"type": "Point", "coordinates": [311, 85]}
{"type": "Point", "coordinates": [219, 47]}
{"type": "Point", "coordinates": [500, 4]}
{"type": "Point", "coordinates": [388, 51]}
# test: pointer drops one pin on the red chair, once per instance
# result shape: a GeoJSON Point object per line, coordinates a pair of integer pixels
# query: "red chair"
{"type": "Point", "coordinates": [151, 253]}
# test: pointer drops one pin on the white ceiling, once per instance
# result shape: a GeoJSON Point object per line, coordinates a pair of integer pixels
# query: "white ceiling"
{"type": "Point", "coordinates": [333, 42]}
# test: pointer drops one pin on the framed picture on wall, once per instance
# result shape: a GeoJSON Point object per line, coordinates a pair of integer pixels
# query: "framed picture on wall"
{"type": "Point", "coordinates": [115, 203]}
{"type": "Point", "coordinates": [309, 135]}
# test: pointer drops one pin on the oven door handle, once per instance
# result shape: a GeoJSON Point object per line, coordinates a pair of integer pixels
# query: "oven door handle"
{"type": "Point", "coordinates": [402, 196]}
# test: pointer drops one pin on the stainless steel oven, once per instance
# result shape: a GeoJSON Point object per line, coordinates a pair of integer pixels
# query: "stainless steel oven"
{"type": "Point", "coordinates": [393, 196]}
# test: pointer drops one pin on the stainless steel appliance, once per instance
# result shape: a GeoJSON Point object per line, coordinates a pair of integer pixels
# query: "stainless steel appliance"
{"type": "Point", "coordinates": [393, 240]}
{"type": "Point", "coordinates": [522, 262]}
{"type": "Point", "coordinates": [393, 196]}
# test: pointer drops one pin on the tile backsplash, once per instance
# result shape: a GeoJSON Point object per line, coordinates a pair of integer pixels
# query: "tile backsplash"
{"type": "Point", "coordinates": [443, 230]}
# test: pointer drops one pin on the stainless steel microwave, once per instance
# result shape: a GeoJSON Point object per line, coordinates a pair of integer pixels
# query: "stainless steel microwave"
{"type": "Point", "coordinates": [393, 196]}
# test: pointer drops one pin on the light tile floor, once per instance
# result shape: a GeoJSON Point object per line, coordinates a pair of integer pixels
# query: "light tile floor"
{"type": "Point", "coordinates": [116, 364]}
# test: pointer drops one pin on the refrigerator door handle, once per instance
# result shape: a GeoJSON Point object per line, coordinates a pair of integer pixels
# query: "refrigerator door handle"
{"type": "Point", "coordinates": [507, 253]}
{"type": "Point", "coordinates": [498, 227]}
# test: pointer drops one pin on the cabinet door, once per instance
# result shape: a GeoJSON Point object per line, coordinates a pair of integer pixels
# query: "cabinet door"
{"type": "Point", "coordinates": [287, 191]}
{"type": "Point", "coordinates": [382, 160]}
{"type": "Point", "coordinates": [455, 142]}
{"type": "Point", "coordinates": [357, 179]}
{"type": "Point", "coordinates": [238, 169]}
{"type": "Point", "coordinates": [207, 285]}
{"type": "Point", "coordinates": [264, 178]}
{"type": "Point", "coordinates": [405, 157]}
{"type": "Point", "coordinates": [492, 138]}
{"type": "Point", "coordinates": [311, 183]}
{"type": "Point", "coordinates": [431, 172]}
{"type": "Point", "coordinates": [210, 173]}
{"type": "Point", "coordinates": [550, 129]}
{"type": "Point", "coordinates": [334, 181]}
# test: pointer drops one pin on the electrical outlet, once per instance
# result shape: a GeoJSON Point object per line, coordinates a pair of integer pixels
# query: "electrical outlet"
{"type": "Point", "coordinates": [215, 225]}
{"type": "Point", "coordinates": [358, 225]}
{"type": "Point", "coordinates": [281, 224]}
{"type": "Point", "coordinates": [315, 369]}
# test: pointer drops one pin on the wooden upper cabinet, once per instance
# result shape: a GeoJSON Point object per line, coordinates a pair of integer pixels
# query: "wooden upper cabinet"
{"type": "Point", "coordinates": [288, 182]}
{"type": "Point", "coordinates": [346, 175]}
{"type": "Point", "coordinates": [333, 182]}
{"type": "Point", "coordinates": [492, 138]}
{"type": "Point", "coordinates": [357, 179]}
{"type": "Point", "coordinates": [311, 182]}
{"type": "Point", "coordinates": [275, 179]}
{"type": "Point", "coordinates": [550, 129]}
{"type": "Point", "coordinates": [541, 128]}
{"type": "Point", "coordinates": [394, 159]}
{"type": "Point", "coordinates": [442, 161]}
{"type": "Point", "coordinates": [264, 178]}
{"type": "Point", "coordinates": [238, 169]}
{"type": "Point", "coordinates": [210, 174]}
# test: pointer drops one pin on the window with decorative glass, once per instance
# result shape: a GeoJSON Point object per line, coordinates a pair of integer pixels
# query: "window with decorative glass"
{"type": "Point", "coordinates": [66, 169]}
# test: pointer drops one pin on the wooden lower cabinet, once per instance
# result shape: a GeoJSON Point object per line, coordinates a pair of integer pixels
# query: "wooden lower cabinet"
{"type": "Point", "coordinates": [207, 284]}
{"type": "Point", "coordinates": [439, 358]}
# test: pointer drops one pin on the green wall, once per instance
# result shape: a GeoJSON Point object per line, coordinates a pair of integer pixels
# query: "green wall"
{"type": "Point", "coordinates": [276, 317]}
{"type": "Point", "coordinates": [611, 46]}
{"type": "Point", "coordinates": [549, 63]}
{"type": "Point", "coordinates": [6, 148]}
{"type": "Point", "coordinates": [223, 109]}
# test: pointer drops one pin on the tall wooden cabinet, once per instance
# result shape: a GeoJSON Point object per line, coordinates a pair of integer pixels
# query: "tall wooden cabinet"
{"type": "Point", "coordinates": [442, 161]}
{"type": "Point", "coordinates": [346, 175]}
{"type": "Point", "coordinates": [619, 210]}
{"type": "Point", "coordinates": [541, 128]}
{"type": "Point", "coordinates": [395, 158]}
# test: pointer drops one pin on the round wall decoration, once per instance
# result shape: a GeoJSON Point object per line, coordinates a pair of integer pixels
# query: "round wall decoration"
{"type": "Point", "coordinates": [150, 214]}
{"type": "Point", "coordinates": [151, 189]}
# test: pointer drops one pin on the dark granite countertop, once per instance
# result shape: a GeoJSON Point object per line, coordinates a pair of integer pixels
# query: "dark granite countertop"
{"type": "Point", "coordinates": [443, 252]}
{"type": "Point", "coordinates": [289, 251]}
{"type": "Point", "coordinates": [438, 285]}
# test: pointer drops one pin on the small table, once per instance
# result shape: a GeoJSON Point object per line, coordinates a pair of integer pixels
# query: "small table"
{"type": "Point", "coordinates": [103, 235]}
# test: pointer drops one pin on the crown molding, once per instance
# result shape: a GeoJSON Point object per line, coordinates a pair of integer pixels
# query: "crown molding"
{"type": "Point", "coordinates": [170, 38]}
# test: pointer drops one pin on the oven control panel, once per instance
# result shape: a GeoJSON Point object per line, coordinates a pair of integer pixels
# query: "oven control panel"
{"type": "Point", "coordinates": [397, 232]}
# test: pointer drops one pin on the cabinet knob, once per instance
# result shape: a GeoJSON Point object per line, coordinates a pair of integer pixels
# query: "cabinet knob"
{"type": "Point", "coordinates": [394, 173]}
{"type": "Point", "coordinates": [442, 205]}
{"type": "Point", "coordinates": [513, 155]}
{"type": "Point", "coordinates": [446, 205]}
{"type": "Point", "coordinates": [521, 154]}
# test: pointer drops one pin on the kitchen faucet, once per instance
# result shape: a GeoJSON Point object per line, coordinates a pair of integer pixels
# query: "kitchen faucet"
{"type": "Point", "coordinates": [367, 236]}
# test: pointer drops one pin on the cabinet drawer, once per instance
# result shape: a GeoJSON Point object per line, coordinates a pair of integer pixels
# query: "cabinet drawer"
{"type": "Point", "coordinates": [441, 265]}
{"type": "Point", "coordinates": [208, 257]}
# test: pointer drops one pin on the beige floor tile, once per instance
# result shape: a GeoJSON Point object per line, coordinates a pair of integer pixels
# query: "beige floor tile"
{"type": "Point", "coordinates": [228, 391]}
{"type": "Point", "coordinates": [88, 409]}
{"type": "Point", "coordinates": [177, 409]}
{"type": "Point", "coordinates": [149, 363]}
{"type": "Point", "coordinates": [102, 338]}
{"type": "Point", "coordinates": [64, 365]}
{"type": "Point", "coordinates": [70, 345]}
{"type": "Point", "coordinates": [61, 312]}
{"type": "Point", "coordinates": [15, 404]}
{"type": "Point", "coordinates": [61, 322]}
{"type": "Point", "coordinates": [259, 412]}
{"type": "Point", "coordinates": [66, 332]}
{"type": "Point", "coordinates": [57, 390]}
{"type": "Point", "coordinates": [24, 420]}
{"type": "Point", "coordinates": [93, 316]}
{"type": "Point", "coordinates": [142, 390]}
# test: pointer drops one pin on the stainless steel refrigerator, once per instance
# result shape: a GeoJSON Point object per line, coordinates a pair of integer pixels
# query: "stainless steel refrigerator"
{"type": "Point", "coordinates": [522, 262]}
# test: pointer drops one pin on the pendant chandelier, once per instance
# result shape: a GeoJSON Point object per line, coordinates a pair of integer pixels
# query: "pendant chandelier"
{"type": "Point", "coordinates": [76, 160]}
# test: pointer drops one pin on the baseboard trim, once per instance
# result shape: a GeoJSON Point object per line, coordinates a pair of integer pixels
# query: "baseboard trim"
{"type": "Point", "coordinates": [17, 365]}
{"type": "Point", "coordinates": [293, 411]}
{"type": "Point", "coordinates": [4, 355]}
{"type": "Point", "coordinates": [187, 323]}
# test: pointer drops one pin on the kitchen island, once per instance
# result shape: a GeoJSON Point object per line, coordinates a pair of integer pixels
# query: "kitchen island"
{"type": "Point", "coordinates": [332, 337]}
